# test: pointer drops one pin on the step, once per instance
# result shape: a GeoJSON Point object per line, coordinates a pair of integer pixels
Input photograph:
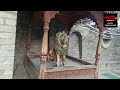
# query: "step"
{"type": "Point", "coordinates": [112, 65]}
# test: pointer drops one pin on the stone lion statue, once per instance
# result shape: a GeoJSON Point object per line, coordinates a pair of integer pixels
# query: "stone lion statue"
{"type": "Point", "coordinates": [59, 50]}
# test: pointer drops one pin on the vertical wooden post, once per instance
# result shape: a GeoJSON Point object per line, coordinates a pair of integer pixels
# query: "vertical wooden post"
{"type": "Point", "coordinates": [97, 56]}
{"type": "Point", "coordinates": [48, 15]}
{"type": "Point", "coordinates": [29, 37]}
{"type": "Point", "coordinates": [28, 43]}
{"type": "Point", "coordinates": [99, 16]}
{"type": "Point", "coordinates": [98, 50]}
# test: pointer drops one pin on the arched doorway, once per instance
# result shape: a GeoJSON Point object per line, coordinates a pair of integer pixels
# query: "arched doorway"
{"type": "Point", "coordinates": [75, 45]}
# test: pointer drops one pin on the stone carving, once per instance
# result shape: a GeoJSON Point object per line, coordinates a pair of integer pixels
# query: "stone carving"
{"type": "Point", "coordinates": [60, 48]}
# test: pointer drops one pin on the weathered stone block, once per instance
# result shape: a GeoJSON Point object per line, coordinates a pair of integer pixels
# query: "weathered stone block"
{"type": "Point", "coordinates": [2, 21]}
{"type": "Point", "coordinates": [7, 35]}
{"type": "Point", "coordinates": [6, 66]}
{"type": "Point", "coordinates": [6, 74]}
{"type": "Point", "coordinates": [6, 53]}
{"type": "Point", "coordinates": [7, 60]}
{"type": "Point", "coordinates": [10, 22]}
{"type": "Point", "coordinates": [7, 41]}
{"type": "Point", "coordinates": [7, 47]}
{"type": "Point", "coordinates": [5, 28]}
{"type": "Point", "coordinates": [5, 14]}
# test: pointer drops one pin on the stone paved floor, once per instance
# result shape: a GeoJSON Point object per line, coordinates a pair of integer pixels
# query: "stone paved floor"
{"type": "Point", "coordinates": [20, 72]}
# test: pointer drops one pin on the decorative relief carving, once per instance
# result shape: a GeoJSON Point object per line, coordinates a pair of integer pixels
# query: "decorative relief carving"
{"type": "Point", "coordinates": [48, 15]}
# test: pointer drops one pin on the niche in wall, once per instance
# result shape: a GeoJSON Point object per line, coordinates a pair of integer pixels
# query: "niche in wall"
{"type": "Point", "coordinates": [75, 45]}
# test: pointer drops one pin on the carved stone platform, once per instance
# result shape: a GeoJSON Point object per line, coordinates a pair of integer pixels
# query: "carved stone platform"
{"type": "Point", "coordinates": [74, 69]}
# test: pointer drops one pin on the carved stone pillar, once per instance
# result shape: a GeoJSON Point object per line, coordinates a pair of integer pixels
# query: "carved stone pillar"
{"type": "Point", "coordinates": [48, 15]}
{"type": "Point", "coordinates": [99, 16]}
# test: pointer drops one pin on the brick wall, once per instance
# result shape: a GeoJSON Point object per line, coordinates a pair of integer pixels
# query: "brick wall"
{"type": "Point", "coordinates": [7, 43]}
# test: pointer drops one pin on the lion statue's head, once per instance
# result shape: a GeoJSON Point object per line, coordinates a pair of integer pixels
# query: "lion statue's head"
{"type": "Point", "coordinates": [62, 39]}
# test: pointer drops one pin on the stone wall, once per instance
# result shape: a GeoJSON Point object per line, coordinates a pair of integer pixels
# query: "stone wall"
{"type": "Point", "coordinates": [84, 44]}
{"type": "Point", "coordinates": [7, 43]}
{"type": "Point", "coordinates": [110, 57]}
{"type": "Point", "coordinates": [75, 45]}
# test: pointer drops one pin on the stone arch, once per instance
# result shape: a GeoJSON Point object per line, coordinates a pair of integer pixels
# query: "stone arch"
{"type": "Point", "coordinates": [76, 39]}
{"type": "Point", "coordinates": [75, 45]}
{"type": "Point", "coordinates": [89, 42]}
{"type": "Point", "coordinates": [81, 28]}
